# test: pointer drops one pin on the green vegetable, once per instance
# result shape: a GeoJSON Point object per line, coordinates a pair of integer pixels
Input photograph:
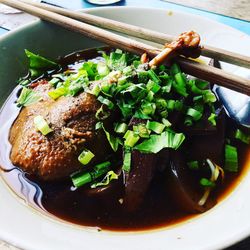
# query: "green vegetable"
{"type": "Point", "coordinates": [80, 179]}
{"type": "Point", "coordinates": [231, 158]}
{"type": "Point", "coordinates": [193, 165]}
{"type": "Point", "coordinates": [106, 101]}
{"type": "Point", "coordinates": [242, 136]}
{"type": "Point", "coordinates": [111, 175]}
{"type": "Point", "coordinates": [41, 125]}
{"type": "Point", "coordinates": [39, 64]}
{"type": "Point", "coordinates": [27, 97]}
{"type": "Point", "coordinates": [131, 138]}
{"type": "Point", "coordinates": [113, 141]}
{"type": "Point", "coordinates": [102, 69]}
{"type": "Point", "coordinates": [157, 127]}
{"type": "Point", "coordinates": [121, 128]}
{"type": "Point", "coordinates": [85, 157]}
{"type": "Point", "coordinates": [206, 183]}
{"type": "Point", "coordinates": [156, 143]}
{"type": "Point", "coordinates": [212, 119]}
{"type": "Point", "coordinates": [126, 159]}
{"type": "Point", "coordinates": [195, 114]}
{"type": "Point", "coordinates": [141, 130]}
{"type": "Point", "coordinates": [56, 93]}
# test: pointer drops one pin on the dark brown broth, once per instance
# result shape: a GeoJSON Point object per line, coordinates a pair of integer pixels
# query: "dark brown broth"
{"type": "Point", "coordinates": [105, 211]}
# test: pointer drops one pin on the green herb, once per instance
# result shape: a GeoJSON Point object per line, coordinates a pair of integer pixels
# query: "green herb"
{"type": "Point", "coordinates": [242, 136]}
{"type": "Point", "coordinates": [212, 119]}
{"type": "Point", "coordinates": [121, 128]}
{"type": "Point", "coordinates": [131, 138]}
{"type": "Point", "coordinates": [111, 175]}
{"type": "Point", "coordinates": [27, 97]}
{"type": "Point", "coordinates": [56, 93]}
{"type": "Point", "coordinates": [126, 159]}
{"type": "Point", "coordinates": [231, 158]}
{"type": "Point", "coordinates": [41, 125]}
{"type": "Point", "coordinates": [206, 183]}
{"type": "Point", "coordinates": [85, 157]}
{"type": "Point", "coordinates": [141, 130]}
{"type": "Point", "coordinates": [195, 114]}
{"type": "Point", "coordinates": [194, 165]}
{"type": "Point", "coordinates": [157, 127]}
{"type": "Point", "coordinates": [80, 179]}
{"type": "Point", "coordinates": [106, 101]}
{"type": "Point", "coordinates": [157, 142]}
{"type": "Point", "coordinates": [39, 64]}
{"type": "Point", "coordinates": [113, 141]}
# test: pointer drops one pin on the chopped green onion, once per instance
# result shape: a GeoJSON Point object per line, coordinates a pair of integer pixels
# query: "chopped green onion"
{"type": "Point", "coordinates": [153, 86]}
{"type": "Point", "coordinates": [102, 69]}
{"type": "Point", "coordinates": [231, 158]}
{"type": "Point", "coordinates": [42, 125]}
{"type": "Point", "coordinates": [111, 175]}
{"type": "Point", "coordinates": [195, 114]}
{"type": "Point", "coordinates": [188, 121]}
{"type": "Point", "coordinates": [166, 122]}
{"type": "Point", "coordinates": [80, 179]}
{"type": "Point", "coordinates": [212, 119]}
{"type": "Point", "coordinates": [54, 81]}
{"type": "Point", "coordinates": [101, 114]}
{"type": "Point", "coordinates": [194, 165]}
{"type": "Point", "coordinates": [180, 85]}
{"type": "Point", "coordinates": [27, 97]}
{"type": "Point", "coordinates": [121, 128]}
{"type": "Point", "coordinates": [126, 159]}
{"type": "Point", "coordinates": [95, 90]}
{"type": "Point", "coordinates": [175, 69]}
{"type": "Point", "coordinates": [56, 93]}
{"type": "Point", "coordinates": [141, 130]}
{"type": "Point", "coordinates": [131, 138]}
{"type": "Point", "coordinates": [209, 96]}
{"type": "Point", "coordinates": [206, 183]}
{"type": "Point", "coordinates": [85, 157]}
{"type": "Point", "coordinates": [155, 126]}
{"type": "Point", "coordinates": [153, 76]}
{"type": "Point", "coordinates": [148, 108]}
{"type": "Point", "coordinates": [242, 136]}
{"type": "Point", "coordinates": [105, 101]}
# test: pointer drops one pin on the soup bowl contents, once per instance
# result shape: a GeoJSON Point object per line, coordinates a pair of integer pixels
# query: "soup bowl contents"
{"type": "Point", "coordinates": [108, 141]}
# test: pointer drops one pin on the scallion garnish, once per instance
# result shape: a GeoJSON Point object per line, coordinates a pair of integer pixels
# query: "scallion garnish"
{"type": "Point", "coordinates": [206, 182]}
{"type": "Point", "coordinates": [126, 159]}
{"type": "Point", "coordinates": [27, 97]}
{"type": "Point", "coordinates": [111, 175]}
{"type": "Point", "coordinates": [131, 138]}
{"type": "Point", "coordinates": [106, 101]}
{"type": "Point", "coordinates": [194, 165]}
{"type": "Point", "coordinates": [80, 179]}
{"type": "Point", "coordinates": [41, 125]}
{"type": "Point", "coordinates": [121, 128]}
{"type": "Point", "coordinates": [157, 127]}
{"type": "Point", "coordinates": [231, 158]}
{"type": "Point", "coordinates": [85, 157]}
{"type": "Point", "coordinates": [242, 136]}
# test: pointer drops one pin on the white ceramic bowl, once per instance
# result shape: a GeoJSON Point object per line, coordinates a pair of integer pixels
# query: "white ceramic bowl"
{"type": "Point", "coordinates": [225, 224]}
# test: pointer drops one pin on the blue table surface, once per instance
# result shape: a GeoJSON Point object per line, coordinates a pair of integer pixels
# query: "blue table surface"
{"type": "Point", "coordinates": [241, 25]}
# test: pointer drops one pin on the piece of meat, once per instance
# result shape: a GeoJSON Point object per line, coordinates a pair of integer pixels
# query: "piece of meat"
{"type": "Point", "coordinates": [186, 44]}
{"type": "Point", "coordinates": [55, 156]}
{"type": "Point", "coordinates": [142, 171]}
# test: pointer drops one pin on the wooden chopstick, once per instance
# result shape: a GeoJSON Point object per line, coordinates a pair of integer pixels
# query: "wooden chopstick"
{"type": "Point", "coordinates": [146, 34]}
{"type": "Point", "coordinates": [189, 66]}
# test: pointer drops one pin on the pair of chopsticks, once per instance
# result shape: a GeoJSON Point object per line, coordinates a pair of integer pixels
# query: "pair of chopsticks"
{"type": "Point", "coordinates": [64, 17]}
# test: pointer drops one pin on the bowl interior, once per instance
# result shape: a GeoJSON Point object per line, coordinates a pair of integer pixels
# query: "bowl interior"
{"type": "Point", "coordinates": [52, 41]}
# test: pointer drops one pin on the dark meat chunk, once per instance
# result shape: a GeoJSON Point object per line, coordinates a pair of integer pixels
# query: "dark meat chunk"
{"type": "Point", "coordinates": [142, 171]}
{"type": "Point", "coordinates": [211, 146]}
{"type": "Point", "coordinates": [54, 156]}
